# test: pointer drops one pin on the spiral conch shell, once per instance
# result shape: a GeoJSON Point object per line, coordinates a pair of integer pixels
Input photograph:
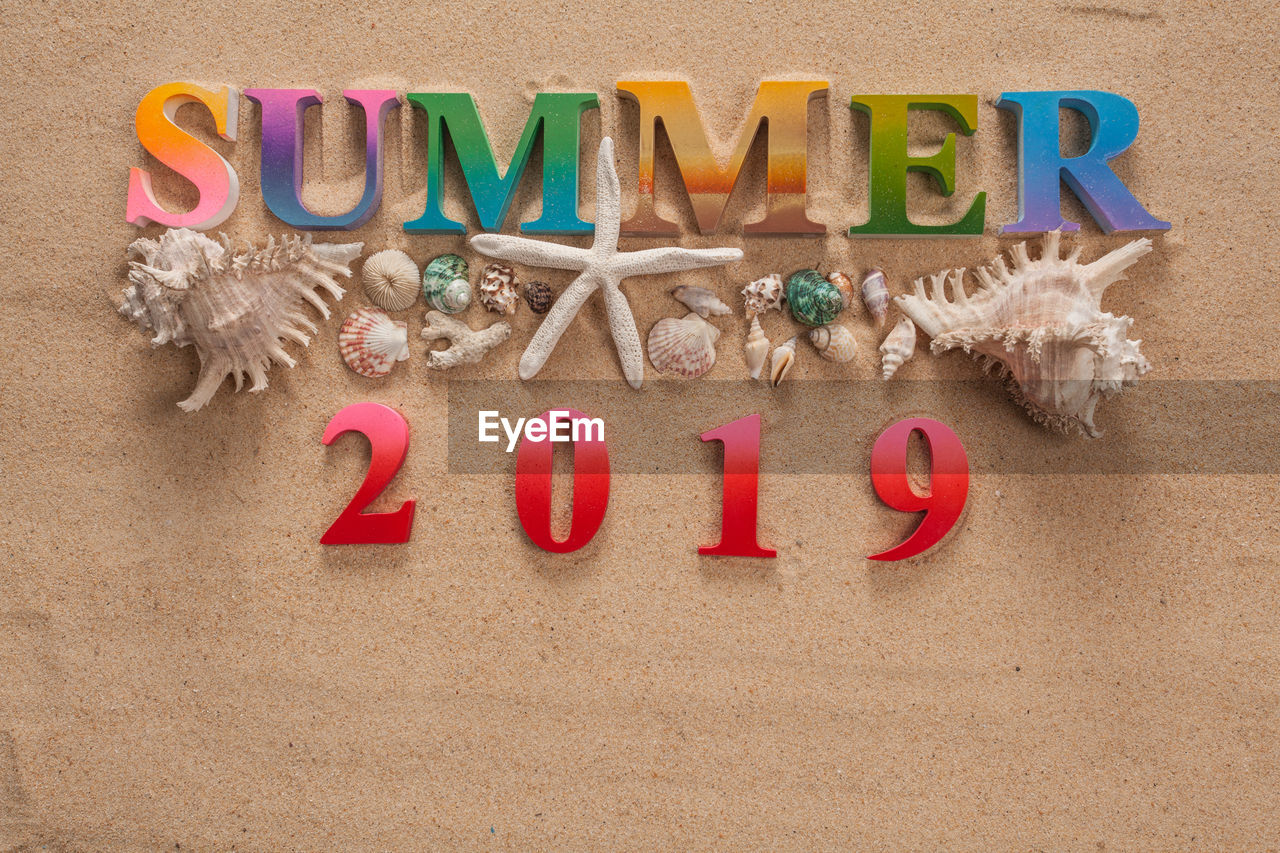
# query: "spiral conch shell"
{"type": "Point", "coordinates": [701, 301]}
{"type": "Point", "coordinates": [875, 295]}
{"type": "Point", "coordinates": [834, 343]}
{"type": "Point", "coordinates": [390, 279]}
{"type": "Point", "coordinates": [757, 349]}
{"type": "Point", "coordinates": [371, 342]}
{"type": "Point", "coordinates": [784, 358]}
{"type": "Point", "coordinates": [684, 346]}
{"type": "Point", "coordinates": [898, 348]}
{"type": "Point", "coordinates": [236, 309]}
{"type": "Point", "coordinates": [762, 294]}
{"type": "Point", "coordinates": [1042, 323]}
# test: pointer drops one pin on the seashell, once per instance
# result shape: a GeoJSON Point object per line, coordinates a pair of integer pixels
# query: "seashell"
{"type": "Point", "coordinates": [685, 346]}
{"type": "Point", "coordinates": [371, 342]}
{"type": "Point", "coordinates": [1042, 325]}
{"type": "Point", "coordinates": [390, 279]}
{"type": "Point", "coordinates": [539, 296]}
{"type": "Point", "coordinates": [466, 345]}
{"type": "Point", "coordinates": [875, 295]}
{"type": "Point", "coordinates": [757, 348]}
{"type": "Point", "coordinates": [844, 284]}
{"type": "Point", "coordinates": [701, 301]}
{"type": "Point", "coordinates": [814, 301]}
{"type": "Point", "coordinates": [783, 359]}
{"type": "Point", "coordinates": [762, 294]}
{"type": "Point", "coordinates": [446, 284]}
{"type": "Point", "coordinates": [236, 309]}
{"type": "Point", "coordinates": [498, 288]}
{"type": "Point", "coordinates": [834, 342]}
{"type": "Point", "coordinates": [898, 347]}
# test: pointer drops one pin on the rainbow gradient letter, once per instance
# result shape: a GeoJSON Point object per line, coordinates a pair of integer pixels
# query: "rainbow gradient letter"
{"type": "Point", "coordinates": [890, 164]}
{"type": "Point", "coordinates": [556, 115]}
{"type": "Point", "coordinates": [215, 180]}
{"type": "Point", "coordinates": [1113, 123]}
{"type": "Point", "coordinates": [785, 108]}
{"type": "Point", "coordinates": [282, 111]}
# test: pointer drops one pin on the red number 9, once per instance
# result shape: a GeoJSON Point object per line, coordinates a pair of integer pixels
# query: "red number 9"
{"type": "Point", "coordinates": [948, 482]}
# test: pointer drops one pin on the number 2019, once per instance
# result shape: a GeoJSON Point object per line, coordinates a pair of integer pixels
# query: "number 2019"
{"type": "Point", "coordinates": [388, 435]}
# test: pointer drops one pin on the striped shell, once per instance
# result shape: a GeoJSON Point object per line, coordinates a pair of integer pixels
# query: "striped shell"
{"type": "Point", "coordinates": [685, 346]}
{"type": "Point", "coordinates": [834, 343]}
{"type": "Point", "coordinates": [390, 279]}
{"type": "Point", "coordinates": [538, 295]}
{"type": "Point", "coordinates": [371, 342]}
{"type": "Point", "coordinates": [875, 295]}
{"type": "Point", "coordinates": [814, 301]}
{"type": "Point", "coordinates": [844, 284]}
{"type": "Point", "coordinates": [446, 284]}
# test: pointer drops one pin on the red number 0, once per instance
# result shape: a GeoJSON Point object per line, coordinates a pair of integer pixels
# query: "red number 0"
{"type": "Point", "coordinates": [948, 482]}
{"type": "Point", "coordinates": [388, 436]}
{"type": "Point", "coordinates": [590, 486]}
{"type": "Point", "coordinates": [739, 506]}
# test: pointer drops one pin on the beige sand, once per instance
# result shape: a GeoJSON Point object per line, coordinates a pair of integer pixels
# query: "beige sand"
{"type": "Point", "coordinates": [1090, 663]}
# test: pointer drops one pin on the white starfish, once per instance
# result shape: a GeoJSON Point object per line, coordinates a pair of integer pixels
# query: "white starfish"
{"type": "Point", "coordinates": [602, 266]}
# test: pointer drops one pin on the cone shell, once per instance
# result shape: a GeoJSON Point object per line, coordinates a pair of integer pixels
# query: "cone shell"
{"type": "Point", "coordinates": [844, 284]}
{"type": "Point", "coordinates": [390, 279]}
{"type": "Point", "coordinates": [762, 294]}
{"type": "Point", "coordinates": [814, 301]}
{"type": "Point", "coordinates": [498, 289]}
{"type": "Point", "coordinates": [757, 349]}
{"type": "Point", "coordinates": [784, 358]}
{"type": "Point", "coordinates": [898, 348]}
{"type": "Point", "coordinates": [538, 295]}
{"type": "Point", "coordinates": [834, 343]}
{"type": "Point", "coordinates": [446, 284]}
{"type": "Point", "coordinates": [683, 346]}
{"type": "Point", "coordinates": [875, 295]}
{"type": "Point", "coordinates": [701, 301]}
{"type": "Point", "coordinates": [371, 342]}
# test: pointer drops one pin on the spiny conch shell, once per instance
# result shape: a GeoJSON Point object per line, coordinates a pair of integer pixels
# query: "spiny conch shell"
{"type": "Point", "coordinates": [762, 294]}
{"type": "Point", "coordinates": [538, 295]}
{"type": "Point", "coordinates": [685, 346]}
{"type": "Point", "coordinates": [875, 295]}
{"type": "Point", "coordinates": [701, 301]}
{"type": "Point", "coordinates": [898, 347]}
{"type": "Point", "coordinates": [844, 284]}
{"type": "Point", "coordinates": [237, 309]}
{"type": "Point", "coordinates": [757, 348]}
{"type": "Point", "coordinates": [466, 345]}
{"type": "Point", "coordinates": [1042, 324]}
{"type": "Point", "coordinates": [446, 284]}
{"type": "Point", "coordinates": [498, 287]}
{"type": "Point", "coordinates": [814, 301]}
{"type": "Point", "coordinates": [834, 343]}
{"type": "Point", "coordinates": [371, 342]}
{"type": "Point", "coordinates": [783, 359]}
{"type": "Point", "coordinates": [390, 279]}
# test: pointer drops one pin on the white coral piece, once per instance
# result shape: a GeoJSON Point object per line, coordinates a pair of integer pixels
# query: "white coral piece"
{"type": "Point", "coordinates": [466, 345]}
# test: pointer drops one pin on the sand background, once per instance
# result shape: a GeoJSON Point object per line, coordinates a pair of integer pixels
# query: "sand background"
{"type": "Point", "coordinates": [1090, 662]}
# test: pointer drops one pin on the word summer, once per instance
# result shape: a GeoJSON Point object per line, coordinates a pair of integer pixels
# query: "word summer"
{"type": "Point", "coordinates": [779, 113]}
{"type": "Point", "coordinates": [559, 425]}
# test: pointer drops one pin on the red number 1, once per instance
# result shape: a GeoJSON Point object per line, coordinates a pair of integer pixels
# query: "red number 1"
{"type": "Point", "coordinates": [740, 505]}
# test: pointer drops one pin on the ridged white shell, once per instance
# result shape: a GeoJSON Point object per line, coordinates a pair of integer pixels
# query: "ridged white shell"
{"type": "Point", "coordinates": [898, 348]}
{"type": "Point", "coordinates": [875, 295]}
{"type": "Point", "coordinates": [701, 301]}
{"type": "Point", "coordinates": [498, 288]}
{"type": "Point", "coordinates": [683, 346]}
{"type": "Point", "coordinates": [390, 279]}
{"type": "Point", "coordinates": [757, 349]}
{"type": "Point", "coordinates": [784, 358]}
{"type": "Point", "coordinates": [371, 342]}
{"type": "Point", "coordinates": [762, 294]}
{"type": "Point", "coordinates": [834, 342]}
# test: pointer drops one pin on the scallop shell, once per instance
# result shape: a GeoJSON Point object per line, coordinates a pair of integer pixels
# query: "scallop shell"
{"type": "Point", "coordinates": [539, 296]}
{"type": "Point", "coordinates": [390, 279]}
{"type": "Point", "coordinates": [371, 342]}
{"type": "Point", "coordinates": [236, 309]}
{"type": "Point", "coordinates": [701, 301]}
{"type": "Point", "coordinates": [844, 284]}
{"type": "Point", "coordinates": [814, 301]}
{"type": "Point", "coordinates": [898, 348]}
{"type": "Point", "coordinates": [762, 294]}
{"type": "Point", "coordinates": [834, 343]}
{"type": "Point", "coordinates": [757, 348]}
{"type": "Point", "coordinates": [685, 346]}
{"type": "Point", "coordinates": [784, 357]}
{"type": "Point", "coordinates": [446, 284]}
{"type": "Point", "coordinates": [1042, 325]}
{"type": "Point", "coordinates": [498, 288]}
{"type": "Point", "coordinates": [875, 295]}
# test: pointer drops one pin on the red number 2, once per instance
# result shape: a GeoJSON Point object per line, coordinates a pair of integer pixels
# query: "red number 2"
{"type": "Point", "coordinates": [948, 482]}
{"type": "Point", "coordinates": [388, 435]}
{"type": "Point", "coordinates": [740, 504]}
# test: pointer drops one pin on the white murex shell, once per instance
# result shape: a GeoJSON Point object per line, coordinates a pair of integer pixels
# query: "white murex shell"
{"type": "Point", "coordinates": [498, 288]}
{"type": "Point", "coordinates": [762, 294]}
{"type": "Point", "coordinates": [390, 279]}
{"type": "Point", "coordinates": [834, 342]}
{"type": "Point", "coordinates": [784, 358]}
{"type": "Point", "coordinates": [1042, 325]}
{"type": "Point", "coordinates": [757, 349]}
{"type": "Point", "coordinates": [897, 348]}
{"type": "Point", "coordinates": [371, 342]}
{"type": "Point", "coordinates": [236, 309]}
{"type": "Point", "coordinates": [685, 346]}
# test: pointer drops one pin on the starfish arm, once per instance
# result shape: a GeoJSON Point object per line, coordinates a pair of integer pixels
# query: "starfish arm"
{"type": "Point", "coordinates": [670, 259]}
{"type": "Point", "coordinates": [625, 336]}
{"type": "Point", "coordinates": [533, 253]}
{"type": "Point", "coordinates": [608, 198]}
{"type": "Point", "coordinates": [558, 319]}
